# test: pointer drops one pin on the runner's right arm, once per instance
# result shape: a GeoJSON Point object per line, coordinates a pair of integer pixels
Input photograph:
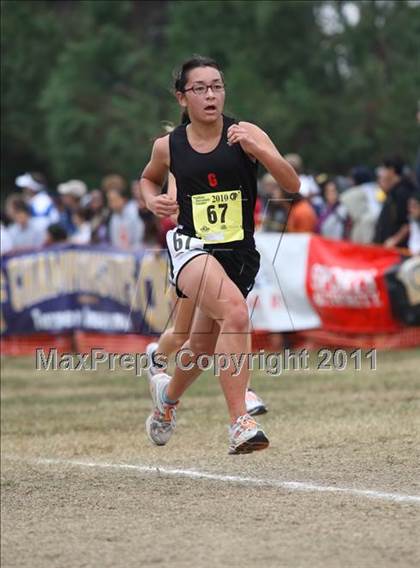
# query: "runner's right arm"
{"type": "Point", "coordinates": [153, 178]}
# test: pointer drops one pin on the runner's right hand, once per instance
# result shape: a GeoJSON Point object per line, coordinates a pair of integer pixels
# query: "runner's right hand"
{"type": "Point", "coordinates": [163, 206]}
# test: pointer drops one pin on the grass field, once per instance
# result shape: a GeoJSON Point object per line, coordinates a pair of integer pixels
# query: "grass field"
{"type": "Point", "coordinates": [355, 430]}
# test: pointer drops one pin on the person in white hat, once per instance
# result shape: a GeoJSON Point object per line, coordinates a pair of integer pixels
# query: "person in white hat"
{"type": "Point", "coordinates": [41, 205]}
{"type": "Point", "coordinates": [71, 192]}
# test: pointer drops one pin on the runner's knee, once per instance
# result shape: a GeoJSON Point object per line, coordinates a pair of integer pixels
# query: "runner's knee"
{"type": "Point", "coordinates": [236, 318]}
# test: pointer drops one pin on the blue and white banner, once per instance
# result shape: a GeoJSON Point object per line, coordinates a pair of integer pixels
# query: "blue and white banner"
{"type": "Point", "coordinates": [90, 288]}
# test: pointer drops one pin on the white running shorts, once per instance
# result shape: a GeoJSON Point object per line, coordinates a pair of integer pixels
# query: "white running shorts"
{"type": "Point", "coordinates": [182, 249]}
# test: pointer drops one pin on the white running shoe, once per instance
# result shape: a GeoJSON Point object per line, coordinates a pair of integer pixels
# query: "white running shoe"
{"type": "Point", "coordinates": [254, 404]}
{"type": "Point", "coordinates": [152, 367]}
{"type": "Point", "coordinates": [161, 423]}
{"type": "Point", "coordinates": [246, 436]}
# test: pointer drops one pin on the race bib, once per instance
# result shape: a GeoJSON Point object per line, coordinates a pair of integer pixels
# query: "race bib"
{"type": "Point", "coordinates": [218, 216]}
{"type": "Point", "coordinates": [179, 243]}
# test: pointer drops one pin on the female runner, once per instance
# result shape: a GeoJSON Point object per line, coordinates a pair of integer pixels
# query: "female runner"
{"type": "Point", "coordinates": [173, 338]}
{"type": "Point", "coordinates": [212, 251]}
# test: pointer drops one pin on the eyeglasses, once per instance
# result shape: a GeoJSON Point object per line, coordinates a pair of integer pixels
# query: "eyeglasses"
{"type": "Point", "coordinates": [201, 90]}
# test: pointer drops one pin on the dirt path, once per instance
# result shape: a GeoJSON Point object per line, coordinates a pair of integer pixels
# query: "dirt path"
{"type": "Point", "coordinates": [351, 430]}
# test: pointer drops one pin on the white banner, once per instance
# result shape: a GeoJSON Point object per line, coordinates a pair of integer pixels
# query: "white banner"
{"type": "Point", "coordinates": [279, 300]}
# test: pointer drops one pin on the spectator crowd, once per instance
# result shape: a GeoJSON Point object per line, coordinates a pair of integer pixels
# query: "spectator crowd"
{"type": "Point", "coordinates": [381, 207]}
{"type": "Point", "coordinates": [114, 214]}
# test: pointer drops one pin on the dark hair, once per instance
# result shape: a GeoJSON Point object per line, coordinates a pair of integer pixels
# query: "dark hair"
{"type": "Point", "coordinates": [57, 233]}
{"type": "Point", "coordinates": [395, 163]}
{"type": "Point", "coordinates": [83, 213]}
{"type": "Point", "coordinates": [39, 178]}
{"type": "Point", "coordinates": [323, 185]}
{"type": "Point", "coordinates": [181, 76]}
{"type": "Point", "coordinates": [361, 175]}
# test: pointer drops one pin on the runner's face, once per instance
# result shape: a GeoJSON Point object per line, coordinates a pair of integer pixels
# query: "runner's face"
{"type": "Point", "coordinates": [206, 107]}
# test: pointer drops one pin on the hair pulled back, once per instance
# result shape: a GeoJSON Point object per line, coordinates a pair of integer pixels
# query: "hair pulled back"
{"type": "Point", "coordinates": [181, 76]}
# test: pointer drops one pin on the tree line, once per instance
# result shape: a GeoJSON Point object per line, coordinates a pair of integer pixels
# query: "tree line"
{"type": "Point", "coordinates": [86, 85]}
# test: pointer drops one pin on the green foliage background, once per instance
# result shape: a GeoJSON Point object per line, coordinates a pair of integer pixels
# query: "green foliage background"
{"type": "Point", "coordinates": [86, 85]}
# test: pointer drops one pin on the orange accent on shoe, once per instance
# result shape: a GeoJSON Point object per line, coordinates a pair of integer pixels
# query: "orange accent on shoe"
{"type": "Point", "coordinates": [169, 408]}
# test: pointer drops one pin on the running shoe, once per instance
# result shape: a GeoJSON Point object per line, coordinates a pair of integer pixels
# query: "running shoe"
{"type": "Point", "coordinates": [152, 367]}
{"type": "Point", "coordinates": [246, 436]}
{"type": "Point", "coordinates": [161, 423]}
{"type": "Point", "coordinates": [254, 404]}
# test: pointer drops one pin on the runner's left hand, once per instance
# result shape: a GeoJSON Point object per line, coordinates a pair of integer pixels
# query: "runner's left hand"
{"type": "Point", "coordinates": [237, 133]}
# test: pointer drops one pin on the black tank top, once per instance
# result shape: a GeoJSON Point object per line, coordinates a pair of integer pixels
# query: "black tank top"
{"type": "Point", "coordinates": [217, 189]}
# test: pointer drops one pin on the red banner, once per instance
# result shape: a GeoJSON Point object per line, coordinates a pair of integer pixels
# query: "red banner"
{"type": "Point", "coordinates": [345, 284]}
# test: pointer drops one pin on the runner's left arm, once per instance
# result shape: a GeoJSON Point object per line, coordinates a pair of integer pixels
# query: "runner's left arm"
{"type": "Point", "coordinates": [255, 142]}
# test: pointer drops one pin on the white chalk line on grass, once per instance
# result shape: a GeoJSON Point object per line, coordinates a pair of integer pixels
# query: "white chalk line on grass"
{"type": "Point", "coordinates": [278, 483]}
